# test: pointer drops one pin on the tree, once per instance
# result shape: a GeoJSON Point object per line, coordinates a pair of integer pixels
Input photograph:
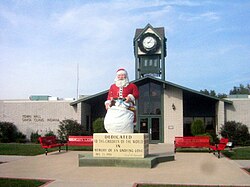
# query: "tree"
{"type": "Point", "coordinates": [34, 137]}
{"type": "Point", "coordinates": [7, 132]}
{"type": "Point", "coordinates": [197, 128]}
{"type": "Point", "coordinates": [69, 127]}
{"type": "Point", "coordinates": [221, 96]}
{"type": "Point", "coordinates": [240, 90]}
{"type": "Point", "coordinates": [49, 133]}
{"type": "Point", "coordinates": [98, 125]}
{"type": "Point", "coordinates": [236, 132]}
{"type": "Point", "coordinates": [10, 133]}
{"type": "Point", "coordinates": [205, 91]}
{"type": "Point", "coordinates": [211, 93]}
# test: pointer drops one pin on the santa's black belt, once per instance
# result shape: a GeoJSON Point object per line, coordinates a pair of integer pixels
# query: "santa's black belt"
{"type": "Point", "coordinates": [123, 99]}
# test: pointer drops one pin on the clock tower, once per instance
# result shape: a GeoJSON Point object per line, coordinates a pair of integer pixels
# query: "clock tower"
{"type": "Point", "coordinates": [150, 52]}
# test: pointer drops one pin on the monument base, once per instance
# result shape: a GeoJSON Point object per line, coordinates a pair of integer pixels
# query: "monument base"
{"type": "Point", "coordinates": [122, 150]}
{"type": "Point", "coordinates": [134, 145]}
{"type": "Point", "coordinates": [87, 160]}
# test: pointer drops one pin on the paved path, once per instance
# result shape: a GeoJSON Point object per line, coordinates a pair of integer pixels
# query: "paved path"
{"type": "Point", "coordinates": [188, 168]}
{"type": "Point", "coordinates": [243, 163]}
{"type": "Point", "coordinates": [9, 158]}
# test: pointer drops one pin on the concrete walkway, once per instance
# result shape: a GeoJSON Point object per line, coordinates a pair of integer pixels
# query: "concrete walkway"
{"type": "Point", "coordinates": [188, 168]}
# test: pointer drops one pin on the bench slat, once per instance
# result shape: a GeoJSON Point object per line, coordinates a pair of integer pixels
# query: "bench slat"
{"type": "Point", "coordinates": [80, 141]}
{"type": "Point", "coordinates": [192, 142]}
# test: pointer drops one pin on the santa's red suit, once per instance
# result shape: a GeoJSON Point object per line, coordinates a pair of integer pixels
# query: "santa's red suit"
{"type": "Point", "coordinates": [130, 91]}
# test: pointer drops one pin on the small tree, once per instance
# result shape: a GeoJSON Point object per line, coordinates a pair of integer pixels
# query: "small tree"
{"type": "Point", "coordinates": [98, 126]}
{"type": "Point", "coordinates": [69, 127]}
{"type": "Point", "coordinates": [10, 133]}
{"type": "Point", "coordinates": [7, 132]}
{"type": "Point", "coordinates": [241, 89]}
{"type": "Point", "coordinates": [236, 132]}
{"type": "Point", "coordinates": [34, 137]}
{"type": "Point", "coordinates": [197, 128]}
{"type": "Point", "coordinates": [49, 133]}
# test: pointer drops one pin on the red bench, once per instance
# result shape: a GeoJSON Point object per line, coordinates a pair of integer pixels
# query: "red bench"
{"type": "Point", "coordinates": [79, 141]}
{"type": "Point", "coordinates": [50, 142]}
{"type": "Point", "coordinates": [220, 146]}
{"type": "Point", "coordinates": [192, 142]}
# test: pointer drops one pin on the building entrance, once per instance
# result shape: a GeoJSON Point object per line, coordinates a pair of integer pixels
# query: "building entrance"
{"type": "Point", "coordinates": [152, 126]}
{"type": "Point", "coordinates": [150, 111]}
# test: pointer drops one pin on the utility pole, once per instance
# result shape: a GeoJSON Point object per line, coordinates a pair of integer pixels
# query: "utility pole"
{"type": "Point", "coordinates": [77, 82]}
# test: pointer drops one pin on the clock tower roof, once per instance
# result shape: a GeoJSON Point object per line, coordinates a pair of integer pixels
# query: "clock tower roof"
{"type": "Point", "coordinates": [158, 30]}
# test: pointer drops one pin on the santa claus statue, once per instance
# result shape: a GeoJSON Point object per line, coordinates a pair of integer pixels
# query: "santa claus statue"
{"type": "Point", "coordinates": [120, 105]}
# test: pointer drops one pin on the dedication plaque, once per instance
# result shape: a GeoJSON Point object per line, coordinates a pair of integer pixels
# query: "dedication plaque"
{"type": "Point", "coordinates": [133, 145]}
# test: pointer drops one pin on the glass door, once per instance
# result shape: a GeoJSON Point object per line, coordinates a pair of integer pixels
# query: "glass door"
{"type": "Point", "coordinates": [152, 126]}
{"type": "Point", "coordinates": [155, 130]}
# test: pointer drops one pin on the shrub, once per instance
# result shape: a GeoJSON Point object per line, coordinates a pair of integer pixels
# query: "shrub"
{"type": "Point", "coordinates": [236, 132]}
{"type": "Point", "coordinates": [10, 133]}
{"type": "Point", "coordinates": [98, 126]}
{"type": "Point", "coordinates": [49, 133]}
{"type": "Point", "coordinates": [20, 138]}
{"type": "Point", "coordinates": [197, 128]}
{"type": "Point", "coordinates": [69, 127]}
{"type": "Point", "coordinates": [34, 137]}
{"type": "Point", "coordinates": [7, 132]}
{"type": "Point", "coordinates": [213, 137]}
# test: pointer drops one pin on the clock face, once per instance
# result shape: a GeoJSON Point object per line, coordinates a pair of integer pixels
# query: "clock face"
{"type": "Point", "coordinates": [149, 42]}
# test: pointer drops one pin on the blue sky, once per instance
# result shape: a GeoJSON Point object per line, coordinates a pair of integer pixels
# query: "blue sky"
{"type": "Point", "coordinates": [41, 43]}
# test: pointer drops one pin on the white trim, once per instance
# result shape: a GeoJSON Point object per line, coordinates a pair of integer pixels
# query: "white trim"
{"type": "Point", "coordinates": [131, 97]}
{"type": "Point", "coordinates": [107, 102]}
{"type": "Point", "coordinates": [121, 72]}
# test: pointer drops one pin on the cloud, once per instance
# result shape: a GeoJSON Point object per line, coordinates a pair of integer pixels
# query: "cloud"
{"type": "Point", "coordinates": [206, 16]}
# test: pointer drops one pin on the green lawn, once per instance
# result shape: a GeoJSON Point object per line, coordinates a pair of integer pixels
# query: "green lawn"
{"type": "Point", "coordinates": [237, 153]}
{"type": "Point", "coordinates": [6, 182]}
{"type": "Point", "coordinates": [178, 185]}
{"type": "Point", "coordinates": [31, 149]}
{"type": "Point", "coordinates": [20, 149]}
{"type": "Point", "coordinates": [241, 153]}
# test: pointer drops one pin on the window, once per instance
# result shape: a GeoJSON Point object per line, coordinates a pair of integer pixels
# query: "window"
{"type": "Point", "coordinates": [150, 99]}
{"type": "Point", "coordinates": [209, 124]}
{"type": "Point", "coordinates": [87, 123]}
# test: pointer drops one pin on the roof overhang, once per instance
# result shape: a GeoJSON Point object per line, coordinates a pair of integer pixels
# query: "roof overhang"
{"type": "Point", "coordinates": [147, 78]}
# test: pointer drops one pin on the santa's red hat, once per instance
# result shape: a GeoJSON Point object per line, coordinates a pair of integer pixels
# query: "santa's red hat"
{"type": "Point", "coordinates": [121, 71]}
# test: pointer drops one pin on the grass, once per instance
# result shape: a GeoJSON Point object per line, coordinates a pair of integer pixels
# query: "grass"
{"type": "Point", "coordinates": [31, 149]}
{"type": "Point", "coordinates": [237, 153]}
{"type": "Point", "coordinates": [247, 170]}
{"type": "Point", "coordinates": [178, 185]}
{"type": "Point", "coordinates": [241, 153]}
{"type": "Point", "coordinates": [21, 149]}
{"type": "Point", "coordinates": [192, 150]}
{"type": "Point", "coordinates": [7, 182]}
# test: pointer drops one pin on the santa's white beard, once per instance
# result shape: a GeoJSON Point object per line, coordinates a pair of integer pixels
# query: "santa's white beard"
{"type": "Point", "coordinates": [121, 83]}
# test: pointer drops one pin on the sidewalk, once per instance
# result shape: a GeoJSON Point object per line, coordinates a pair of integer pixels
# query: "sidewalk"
{"type": "Point", "coordinates": [188, 168]}
{"type": "Point", "coordinates": [243, 163]}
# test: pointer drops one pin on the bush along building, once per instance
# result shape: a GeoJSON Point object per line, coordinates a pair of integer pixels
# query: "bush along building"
{"type": "Point", "coordinates": [164, 109]}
